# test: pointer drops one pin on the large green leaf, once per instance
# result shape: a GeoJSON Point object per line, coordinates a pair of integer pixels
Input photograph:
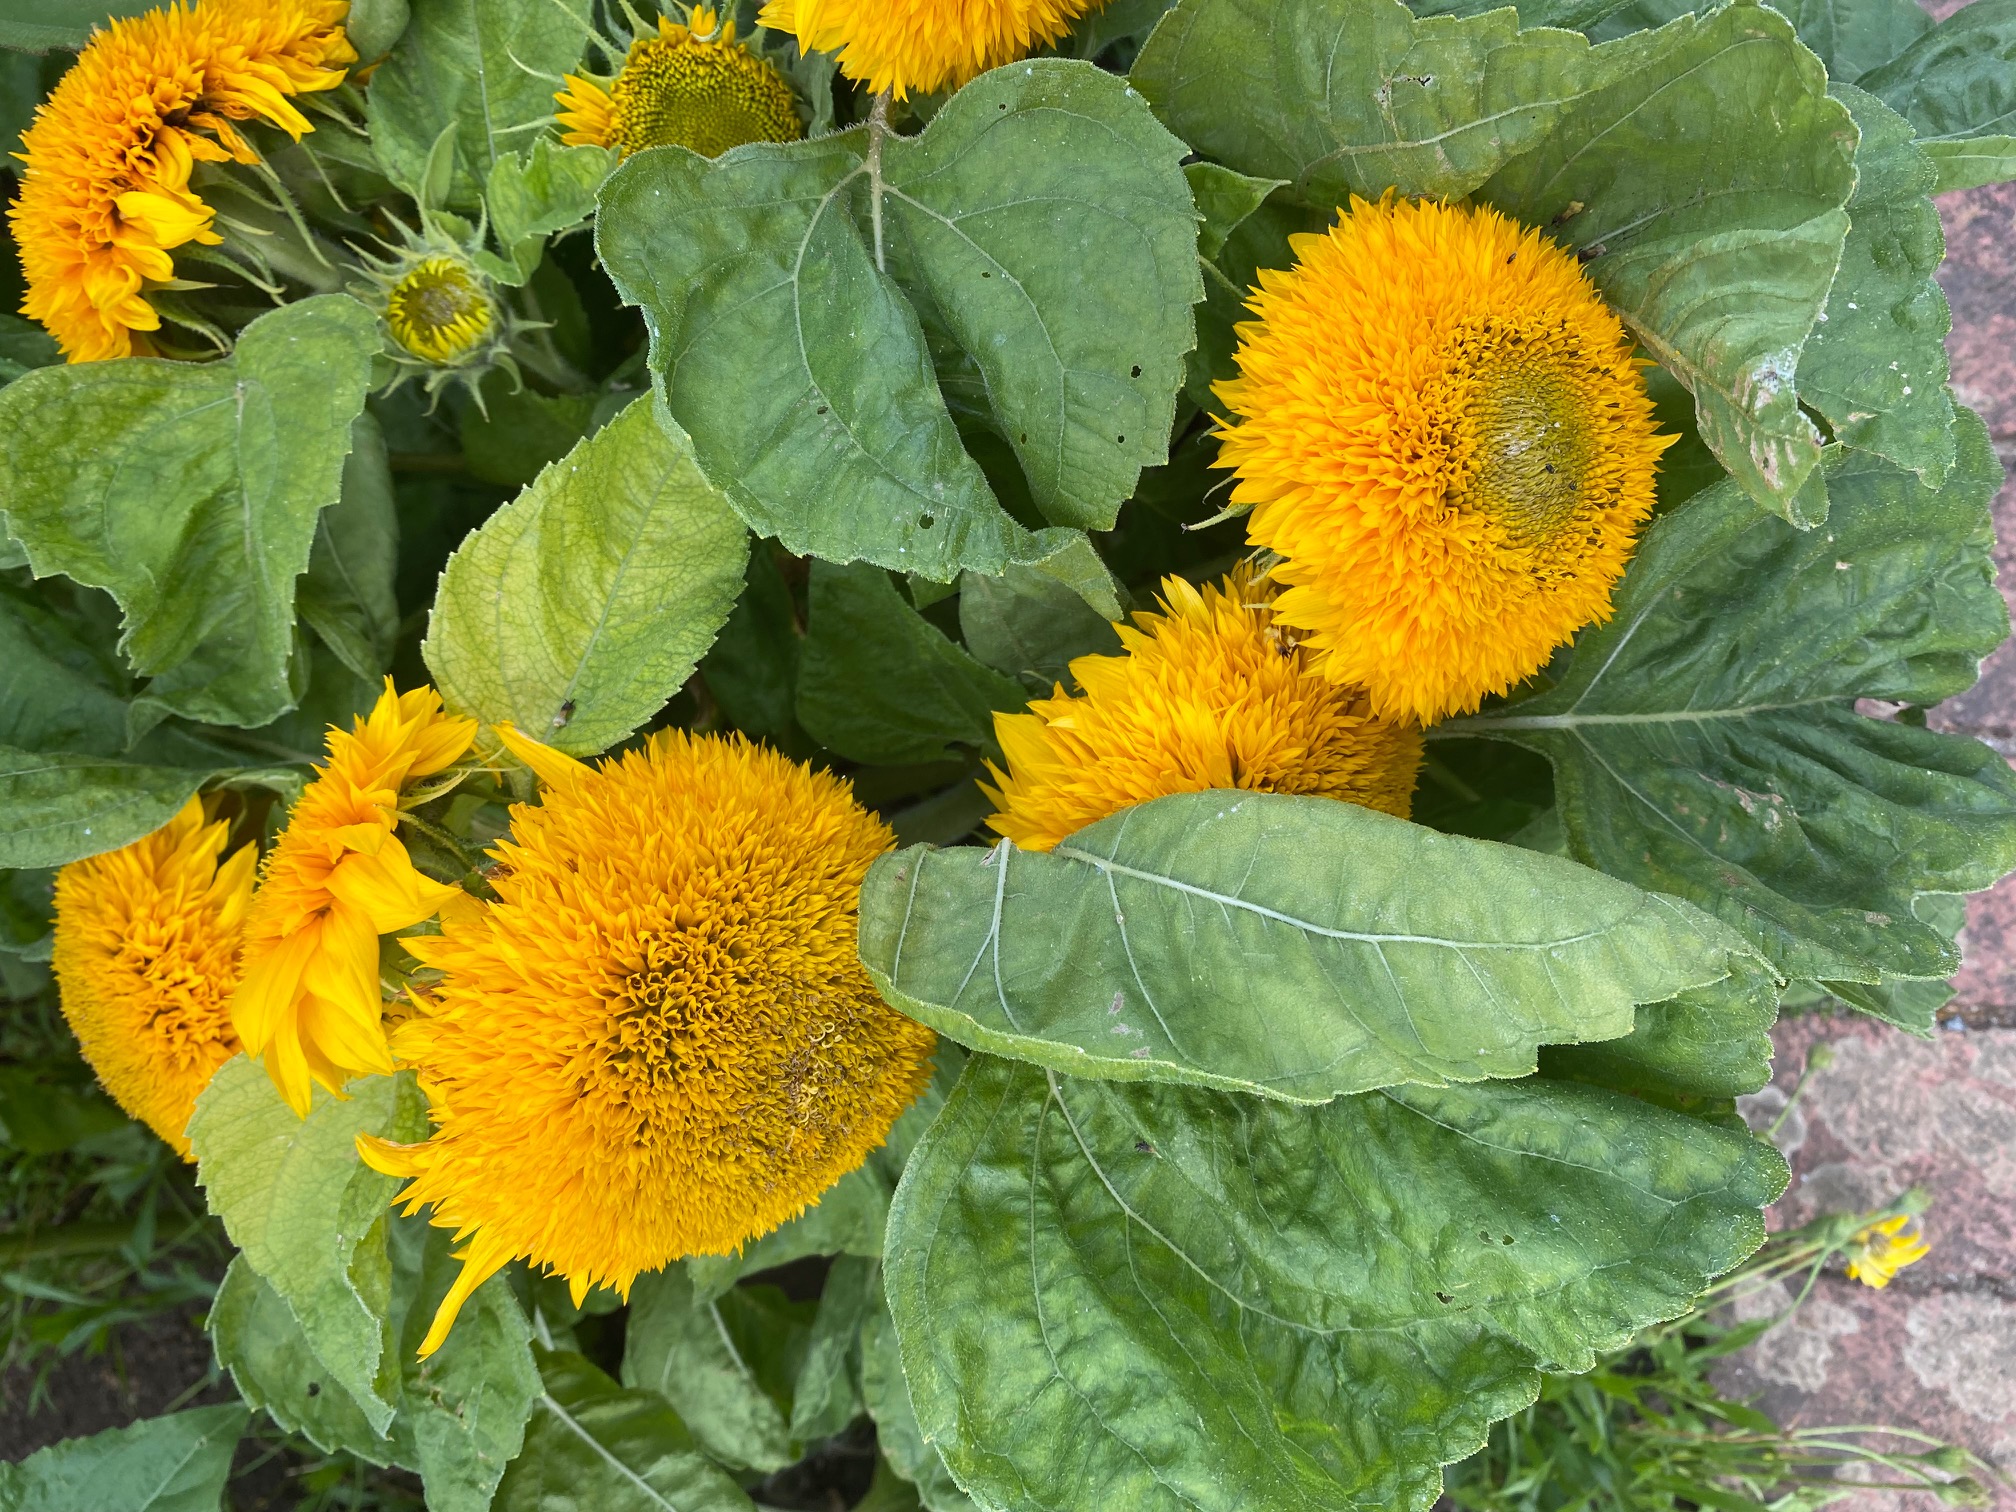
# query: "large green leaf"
{"type": "Point", "coordinates": [347, 597]}
{"type": "Point", "coordinates": [56, 808]}
{"type": "Point", "coordinates": [1299, 948]}
{"type": "Point", "coordinates": [190, 491]}
{"type": "Point", "coordinates": [1705, 741]}
{"type": "Point", "coordinates": [308, 1214]}
{"type": "Point", "coordinates": [681, 1346]}
{"type": "Point", "coordinates": [484, 69]}
{"type": "Point", "coordinates": [1876, 364]}
{"type": "Point", "coordinates": [40, 25]}
{"type": "Point", "coordinates": [1957, 85]}
{"type": "Point", "coordinates": [1028, 625]}
{"type": "Point", "coordinates": [877, 682]}
{"type": "Point", "coordinates": [824, 1399]}
{"type": "Point", "coordinates": [887, 1395]}
{"type": "Point", "coordinates": [529, 197]}
{"type": "Point", "coordinates": [593, 1446]}
{"type": "Point", "coordinates": [460, 1413]}
{"type": "Point", "coordinates": [1849, 36]}
{"type": "Point", "coordinates": [808, 301]}
{"type": "Point", "coordinates": [1699, 170]}
{"type": "Point", "coordinates": [1709, 1044]}
{"type": "Point", "coordinates": [1162, 1297]}
{"type": "Point", "coordinates": [580, 607]}
{"type": "Point", "coordinates": [177, 1463]}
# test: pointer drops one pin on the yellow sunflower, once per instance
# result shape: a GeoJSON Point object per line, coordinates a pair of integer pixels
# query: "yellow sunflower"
{"type": "Point", "coordinates": [1883, 1249]}
{"type": "Point", "coordinates": [440, 310]}
{"type": "Point", "coordinates": [1442, 430]}
{"type": "Point", "coordinates": [921, 46]}
{"type": "Point", "coordinates": [660, 1041]}
{"type": "Point", "coordinates": [146, 956]}
{"type": "Point", "coordinates": [336, 880]}
{"type": "Point", "coordinates": [1210, 694]}
{"type": "Point", "coordinates": [691, 85]}
{"type": "Point", "coordinates": [105, 193]}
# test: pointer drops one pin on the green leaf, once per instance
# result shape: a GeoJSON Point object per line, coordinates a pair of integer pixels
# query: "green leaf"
{"type": "Point", "coordinates": [463, 1409]}
{"type": "Point", "coordinates": [1716, 244]}
{"type": "Point", "coordinates": [24, 346]}
{"type": "Point", "coordinates": [43, 25]}
{"type": "Point", "coordinates": [877, 682]}
{"type": "Point", "coordinates": [481, 67]}
{"type": "Point", "coordinates": [177, 1463]}
{"type": "Point", "coordinates": [41, 1117]}
{"type": "Point", "coordinates": [520, 431]}
{"type": "Point", "coordinates": [1298, 948]}
{"type": "Point", "coordinates": [1028, 625]}
{"type": "Point", "coordinates": [752, 669]}
{"type": "Point", "coordinates": [594, 1447]}
{"type": "Point", "coordinates": [276, 1370]}
{"type": "Point", "coordinates": [1971, 163]}
{"type": "Point", "coordinates": [1957, 82]}
{"type": "Point", "coordinates": [308, 1213]}
{"type": "Point", "coordinates": [1854, 36]}
{"type": "Point", "coordinates": [580, 607]}
{"type": "Point", "coordinates": [1705, 741]}
{"type": "Point", "coordinates": [347, 597]}
{"type": "Point", "coordinates": [60, 688]}
{"type": "Point", "coordinates": [1162, 1298]}
{"type": "Point", "coordinates": [27, 912]}
{"type": "Point", "coordinates": [1343, 97]}
{"type": "Point", "coordinates": [1876, 364]}
{"type": "Point", "coordinates": [59, 808]}
{"type": "Point", "coordinates": [810, 376]}
{"type": "Point", "coordinates": [823, 1399]}
{"type": "Point", "coordinates": [1711, 1042]}
{"type": "Point", "coordinates": [887, 1395]}
{"type": "Point", "coordinates": [191, 491]}
{"type": "Point", "coordinates": [680, 1346]}
{"type": "Point", "coordinates": [1224, 199]}
{"type": "Point", "coordinates": [532, 196]}
{"type": "Point", "coordinates": [374, 25]}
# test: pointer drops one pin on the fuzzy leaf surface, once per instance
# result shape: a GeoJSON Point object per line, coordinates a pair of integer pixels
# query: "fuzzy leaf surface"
{"type": "Point", "coordinates": [593, 1446]}
{"type": "Point", "coordinates": [190, 491]}
{"type": "Point", "coordinates": [1705, 741]}
{"type": "Point", "coordinates": [1166, 1298]}
{"type": "Point", "coordinates": [177, 1463]}
{"type": "Point", "coordinates": [347, 597]}
{"type": "Point", "coordinates": [58, 808]}
{"type": "Point", "coordinates": [308, 1214]}
{"type": "Point", "coordinates": [808, 370]}
{"type": "Point", "coordinates": [1297, 948]}
{"type": "Point", "coordinates": [1956, 83]}
{"type": "Point", "coordinates": [578, 608]}
{"type": "Point", "coordinates": [480, 67]}
{"type": "Point", "coordinates": [680, 1346]}
{"type": "Point", "coordinates": [887, 1396]}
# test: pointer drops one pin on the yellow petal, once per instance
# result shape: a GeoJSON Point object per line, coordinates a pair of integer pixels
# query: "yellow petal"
{"type": "Point", "coordinates": [554, 768]}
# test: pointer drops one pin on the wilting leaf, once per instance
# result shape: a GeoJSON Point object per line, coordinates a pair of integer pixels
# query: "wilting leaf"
{"type": "Point", "coordinates": [177, 1463]}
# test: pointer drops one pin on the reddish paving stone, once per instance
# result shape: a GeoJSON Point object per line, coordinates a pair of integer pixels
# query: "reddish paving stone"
{"type": "Point", "coordinates": [1936, 1350]}
{"type": "Point", "coordinates": [1979, 275]}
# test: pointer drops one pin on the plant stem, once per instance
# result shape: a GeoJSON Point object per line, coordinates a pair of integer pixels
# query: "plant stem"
{"type": "Point", "coordinates": [878, 128]}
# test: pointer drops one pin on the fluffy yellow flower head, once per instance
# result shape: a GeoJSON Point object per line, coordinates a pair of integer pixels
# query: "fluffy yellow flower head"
{"type": "Point", "coordinates": [920, 46]}
{"type": "Point", "coordinates": [660, 1041]}
{"type": "Point", "coordinates": [1883, 1249]}
{"type": "Point", "coordinates": [1444, 433]}
{"type": "Point", "coordinates": [440, 310]}
{"type": "Point", "coordinates": [1211, 694]}
{"type": "Point", "coordinates": [689, 86]}
{"type": "Point", "coordinates": [336, 880]}
{"type": "Point", "coordinates": [146, 955]}
{"type": "Point", "coordinates": [105, 191]}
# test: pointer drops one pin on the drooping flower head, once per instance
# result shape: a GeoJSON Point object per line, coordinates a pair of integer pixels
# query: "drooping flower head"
{"type": "Point", "coordinates": [1883, 1249]}
{"type": "Point", "coordinates": [337, 879]}
{"type": "Point", "coordinates": [690, 85]}
{"type": "Point", "coordinates": [921, 46]}
{"type": "Point", "coordinates": [1444, 433]}
{"type": "Point", "coordinates": [659, 1042]}
{"type": "Point", "coordinates": [146, 956]}
{"type": "Point", "coordinates": [1210, 694]}
{"type": "Point", "coordinates": [105, 193]}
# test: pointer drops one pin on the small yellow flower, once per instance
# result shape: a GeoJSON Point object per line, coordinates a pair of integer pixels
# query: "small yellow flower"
{"type": "Point", "coordinates": [146, 956]}
{"type": "Point", "coordinates": [921, 46]}
{"type": "Point", "coordinates": [660, 1041]}
{"type": "Point", "coordinates": [1443, 432]}
{"type": "Point", "coordinates": [1883, 1249]}
{"type": "Point", "coordinates": [337, 879]}
{"type": "Point", "coordinates": [105, 193]}
{"type": "Point", "coordinates": [440, 310]}
{"type": "Point", "coordinates": [1210, 694]}
{"type": "Point", "coordinates": [691, 86]}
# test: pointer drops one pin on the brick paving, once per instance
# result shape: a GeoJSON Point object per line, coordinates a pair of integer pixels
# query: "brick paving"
{"type": "Point", "coordinates": [1936, 1350]}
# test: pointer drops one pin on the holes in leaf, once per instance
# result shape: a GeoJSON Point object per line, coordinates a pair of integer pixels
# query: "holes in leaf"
{"type": "Point", "coordinates": [822, 409]}
{"type": "Point", "coordinates": [925, 522]}
{"type": "Point", "coordinates": [985, 274]}
{"type": "Point", "coordinates": [314, 1388]}
{"type": "Point", "coordinates": [1142, 1147]}
{"type": "Point", "coordinates": [1122, 440]}
{"type": "Point", "coordinates": [1444, 1298]}
{"type": "Point", "coordinates": [1136, 373]}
